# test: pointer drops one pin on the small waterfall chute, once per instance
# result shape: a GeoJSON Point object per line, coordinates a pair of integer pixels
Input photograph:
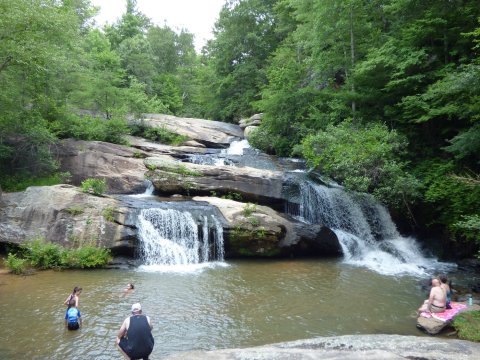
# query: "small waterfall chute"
{"type": "Point", "coordinates": [149, 189]}
{"type": "Point", "coordinates": [237, 147]}
{"type": "Point", "coordinates": [171, 237]}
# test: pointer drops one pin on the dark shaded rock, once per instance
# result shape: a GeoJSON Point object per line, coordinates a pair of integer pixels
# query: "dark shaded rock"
{"type": "Point", "coordinates": [259, 231]}
{"type": "Point", "coordinates": [172, 177]}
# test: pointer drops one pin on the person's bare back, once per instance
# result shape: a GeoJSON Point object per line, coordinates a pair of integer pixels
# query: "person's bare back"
{"type": "Point", "coordinates": [437, 297]}
{"type": "Point", "coordinates": [436, 301]}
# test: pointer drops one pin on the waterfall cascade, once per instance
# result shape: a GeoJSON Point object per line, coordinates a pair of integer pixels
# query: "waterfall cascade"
{"type": "Point", "coordinates": [364, 228]}
{"type": "Point", "coordinates": [365, 231]}
{"type": "Point", "coordinates": [172, 237]}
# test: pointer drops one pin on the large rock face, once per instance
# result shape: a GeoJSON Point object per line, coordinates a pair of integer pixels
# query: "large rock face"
{"type": "Point", "coordinates": [254, 230]}
{"type": "Point", "coordinates": [64, 215]}
{"type": "Point", "coordinates": [173, 177]}
{"type": "Point", "coordinates": [121, 166]}
{"type": "Point", "coordinates": [214, 134]}
{"type": "Point", "coordinates": [360, 347]}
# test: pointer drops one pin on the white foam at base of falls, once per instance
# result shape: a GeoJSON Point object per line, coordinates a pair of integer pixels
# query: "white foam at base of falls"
{"type": "Point", "coordinates": [183, 269]}
{"type": "Point", "coordinates": [365, 231]}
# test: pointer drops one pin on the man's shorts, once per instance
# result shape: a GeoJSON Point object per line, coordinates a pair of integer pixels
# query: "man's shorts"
{"type": "Point", "coordinates": [73, 326]}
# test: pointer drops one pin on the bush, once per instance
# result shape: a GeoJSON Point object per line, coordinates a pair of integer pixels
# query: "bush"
{"type": "Point", "coordinates": [249, 209]}
{"type": "Point", "coordinates": [86, 257]}
{"type": "Point", "coordinates": [261, 139]}
{"type": "Point", "coordinates": [42, 255]}
{"type": "Point", "coordinates": [91, 256]}
{"type": "Point", "coordinates": [21, 182]}
{"type": "Point", "coordinates": [16, 265]}
{"type": "Point", "coordinates": [108, 214]}
{"type": "Point", "coordinates": [91, 128]}
{"type": "Point", "coordinates": [94, 186]}
{"type": "Point", "coordinates": [467, 325]}
{"type": "Point", "coordinates": [161, 134]}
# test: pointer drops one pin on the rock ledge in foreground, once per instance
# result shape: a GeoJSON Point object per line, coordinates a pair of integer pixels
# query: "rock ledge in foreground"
{"type": "Point", "coordinates": [371, 347]}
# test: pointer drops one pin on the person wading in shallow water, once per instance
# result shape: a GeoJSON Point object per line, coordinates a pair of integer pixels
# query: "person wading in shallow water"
{"type": "Point", "coordinates": [73, 318]}
{"type": "Point", "coordinates": [74, 295]}
{"type": "Point", "coordinates": [135, 339]}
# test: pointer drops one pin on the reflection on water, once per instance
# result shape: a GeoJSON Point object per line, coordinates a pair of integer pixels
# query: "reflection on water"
{"type": "Point", "coordinates": [221, 306]}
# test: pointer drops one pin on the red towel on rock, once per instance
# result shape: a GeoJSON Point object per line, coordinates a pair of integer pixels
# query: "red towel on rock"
{"type": "Point", "coordinates": [446, 315]}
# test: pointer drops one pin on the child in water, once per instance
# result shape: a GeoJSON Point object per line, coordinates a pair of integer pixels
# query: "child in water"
{"type": "Point", "coordinates": [74, 295]}
{"type": "Point", "coordinates": [73, 318]}
{"type": "Point", "coordinates": [129, 289]}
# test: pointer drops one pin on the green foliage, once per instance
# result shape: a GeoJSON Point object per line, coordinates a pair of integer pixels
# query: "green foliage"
{"type": "Point", "coordinates": [86, 257]}
{"type": "Point", "coordinates": [245, 37]}
{"type": "Point", "coordinates": [159, 134]}
{"type": "Point", "coordinates": [151, 167]}
{"type": "Point", "coordinates": [167, 88]}
{"type": "Point", "coordinates": [249, 209]}
{"type": "Point", "coordinates": [451, 198]}
{"type": "Point", "coordinates": [260, 138]}
{"type": "Point", "coordinates": [254, 221]}
{"type": "Point", "coordinates": [91, 128]}
{"type": "Point", "coordinates": [20, 183]}
{"type": "Point", "coordinates": [16, 265]}
{"type": "Point", "coordinates": [94, 186]}
{"type": "Point", "coordinates": [469, 227]}
{"type": "Point", "coordinates": [467, 325]}
{"type": "Point", "coordinates": [185, 171]}
{"type": "Point", "coordinates": [232, 196]}
{"type": "Point", "coordinates": [75, 210]}
{"type": "Point", "coordinates": [108, 213]}
{"type": "Point", "coordinates": [363, 159]}
{"type": "Point", "coordinates": [139, 155]}
{"type": "Point", "coordinates": [43, 255]}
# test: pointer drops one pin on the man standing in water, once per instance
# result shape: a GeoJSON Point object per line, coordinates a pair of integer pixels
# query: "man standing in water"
{"type": "Point", "coordinates": [135, 339]}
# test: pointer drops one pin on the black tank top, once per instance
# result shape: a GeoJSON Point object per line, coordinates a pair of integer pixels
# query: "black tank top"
{"type": "Point", "coordinates": [140, 338]}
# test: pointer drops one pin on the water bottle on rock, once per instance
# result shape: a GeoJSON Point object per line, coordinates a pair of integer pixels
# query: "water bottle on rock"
{"type": "Point", "coordinates": [469, 300]}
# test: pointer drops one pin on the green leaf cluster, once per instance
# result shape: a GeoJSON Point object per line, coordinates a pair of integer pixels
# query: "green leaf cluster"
{"type": "Point", "coordinates": [40, 254]}
{"type": "Point", "coordinates": [159, 134]}
{"type": "Point", "coordinates": [363, 159]}
{"type": "Point", "coordinates": [94, 186]}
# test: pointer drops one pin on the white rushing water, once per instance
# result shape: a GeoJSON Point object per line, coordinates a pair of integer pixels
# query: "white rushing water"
{"type": "Point", "coordinates": [149, 189]}
{"type": "Point", "coordinates": [237, 147]}
{"type": "Point", "coordinates": [169, 237]}
{"type": "Point", "coordinates": [365, 230]}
